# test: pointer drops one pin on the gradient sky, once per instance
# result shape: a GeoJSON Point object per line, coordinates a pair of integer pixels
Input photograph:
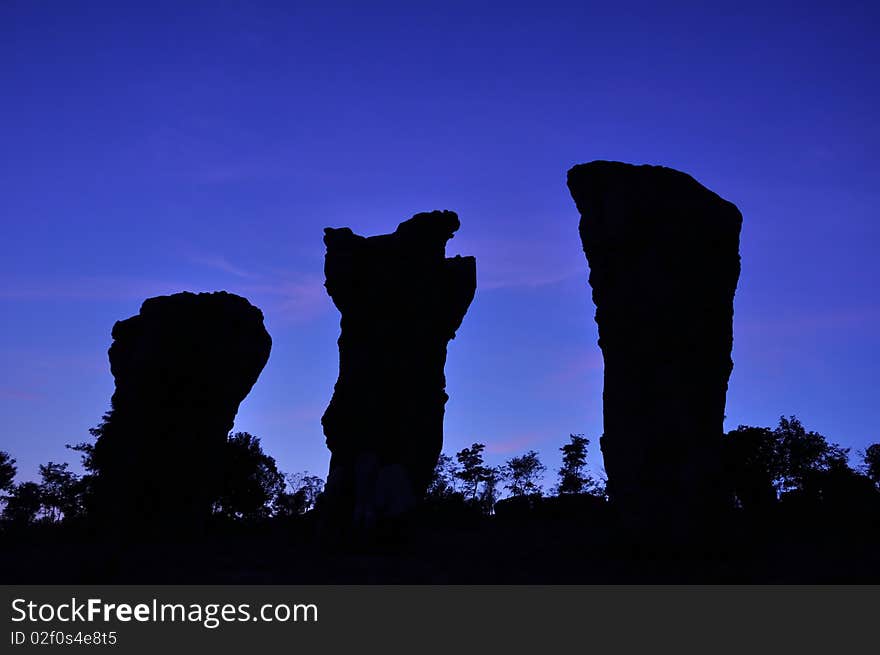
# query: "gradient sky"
{"type": "Point", "coordinates": [189, 146]}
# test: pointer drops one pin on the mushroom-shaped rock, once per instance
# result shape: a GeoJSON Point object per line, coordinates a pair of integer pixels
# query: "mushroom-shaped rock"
{"type": "Point", "coordinates": [182, 366]}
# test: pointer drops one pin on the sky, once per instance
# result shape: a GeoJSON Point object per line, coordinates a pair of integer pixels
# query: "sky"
{"type": "Point", "coordinates": [151, 148]}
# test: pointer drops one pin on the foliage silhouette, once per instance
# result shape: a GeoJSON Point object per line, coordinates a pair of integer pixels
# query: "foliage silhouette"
{"type": "Point", "coordinates": [443, 478]}
{"type": "Point", "coordinates": [523, 474]}
{"type": "Point", "coordinates": [472, 471]}
{"type": "Point", "coordinates": [525, 537]}
{"type": "Point", "coordinates": [572, 476]}
{"type": "Point", "coordinates": [251, 482]}
{"type": "Point", "coordinates": [7, 471]}
{"type": "Point", "coordinates": [23, 504]}
{"type": "Point", "coordinates": [490, 492]}
{"type": "Point", "coordinates": [766, 465]}
{"type": "Point", "coordinates": [804, 454]}
{"type": "Point", "coordinates": [60, 492]}
{"type": "Point", "coordinates": [837, 490]}
{"type": "Point", "coordinates": [306, 489]}
{"type": "Point", "coordinates": [754, 465]}
{"type": "Point", "coordinates": [871, 459]}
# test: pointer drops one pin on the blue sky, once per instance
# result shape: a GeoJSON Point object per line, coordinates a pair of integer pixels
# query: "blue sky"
{"type": "Point", "coordinates": [202, 146]}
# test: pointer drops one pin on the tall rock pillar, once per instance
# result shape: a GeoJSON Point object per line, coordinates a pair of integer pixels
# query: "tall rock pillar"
{"type": "Point", "coordinates": [401, 301]}
{"type": "Point", "coordinates": [663, 252]}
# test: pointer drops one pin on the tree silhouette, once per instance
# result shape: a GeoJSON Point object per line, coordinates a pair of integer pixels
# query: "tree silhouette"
{"type": "Point", "coordinates": [489, 492]}
{"type": "Point", "coordinates": [804, 453]}
{"type": "Point", "coordinates": [763, 464]}
{"type": "Point", "coordinates": [59, 491]}
{"type": "Point", "coordinates": [572, 476]}
{"type": "Point", "coordinates": [86, 483]}
{"type": "Point", "coordinates": [87, 452]}
{"type": "Point", "coordinates": [23, 504]}
{"type": "Point", "coordinates": [871, 457]}
{"type": "Point", "coordinates": [524, 474]}
{"type": "Point", "coordinates": [472, 470]}
{"type": "Point", "coordinates": [754, 464]}
{"type": "Point", "coordinates": [7, 471]}
{"type": "Point", "coordinates": [305, 491]}
{"type": "Point", "coordinates": [443, 478]}
{"type": "Point", "coordinates": [251, 481]}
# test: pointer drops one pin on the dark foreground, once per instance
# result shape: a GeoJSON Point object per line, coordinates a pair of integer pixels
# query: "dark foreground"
{"type": "Point", "coordinates": [774, 549]}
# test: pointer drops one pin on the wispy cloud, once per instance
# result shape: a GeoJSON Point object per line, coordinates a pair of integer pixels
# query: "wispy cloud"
{"type": "Point", "coordinates": [285, 295]}
{"type": "Point", "coordinates": [86, 288]}
{"type": "Point", "coordinates": [220, 263]}
{"type": "Point", "coordinates": [293, 297]}
{"type": "Point", "coordinates": [515, 444]}
{"type": "Point", "coordinates": [307, 414]}
{"type": "Point", "coordinates": [519, 262]}
{"type": "Point", "coordinates": [831, 319]}
{"type": "Point", "coordinates": [290, 296]}
{"type": "Point", "coordinates": [575, 366]}
{"type": "Point", "coordinates": [499, 278]}
{"type": "Point", "coordinates": [202, 151]}
{"type": "Point", "coordinates": [7, 393]}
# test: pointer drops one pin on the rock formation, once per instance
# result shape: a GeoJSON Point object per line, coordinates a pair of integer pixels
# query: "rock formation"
{"type": "Point", "coordinates": [401, 302]}
{"type": "Point", "coordinates": [182, 367]}
{"type": "Point", "coordinates": [664, 261]}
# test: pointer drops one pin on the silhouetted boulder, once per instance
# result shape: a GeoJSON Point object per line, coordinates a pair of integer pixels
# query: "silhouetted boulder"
{"type": "Point", "coordinates": [573, 507]}
{"type": "Point", "coordinates": [664, 262]}
{"type": "Point", "coordinates": [401, 301]}
{"type": "Point", "coordinates": [182, 367]}
{"type": "Point", "coordinates": [518, 509]}
{"type": "Point", "coordinates": [836, 496]}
